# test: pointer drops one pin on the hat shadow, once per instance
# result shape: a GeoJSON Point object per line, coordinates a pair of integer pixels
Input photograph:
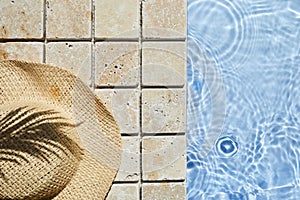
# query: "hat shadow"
{"type": "Point", "coordinates": [29, 131]}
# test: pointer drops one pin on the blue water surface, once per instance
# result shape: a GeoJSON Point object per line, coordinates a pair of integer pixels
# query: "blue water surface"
{"type": "Point", "coordinates": [243, 103]}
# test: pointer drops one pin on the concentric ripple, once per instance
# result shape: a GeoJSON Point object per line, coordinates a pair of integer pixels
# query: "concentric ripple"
{"type": "Point", "coordinates": [222, 26]}
{"type": "Point", "coordinates": [206, 106]}
{"type": "Point", "coordinates": [243, 110]}
{"type": "Point", "coordinates": [227, 146]}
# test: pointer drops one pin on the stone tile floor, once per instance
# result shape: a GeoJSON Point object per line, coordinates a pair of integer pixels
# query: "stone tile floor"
{"type": "Point", "coordinates": [132, 54]}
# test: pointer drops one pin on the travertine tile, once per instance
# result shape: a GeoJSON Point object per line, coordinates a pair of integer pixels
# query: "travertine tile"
{"type": "Point", "coordinates": [163, 110]}
{"type": "Point", "coordinates": [21, 19]}
{"type": "Point", "coordinates": [28, 51]}
{"type": "Point", "coordinates": [163, 64]}
{"type": "Point", "coordinates": [117, 19]}
{"type": "Point", "coordinates": [164, 158]}
{"type": "Point", "coordinates": [123, 192]}
{"type": "Point", "coordinates": [164, 19]}
{"type": "Point", "coordinates": [124, 104]}
{"type": "Point", "coordinates": [165, 191]}
{"type": "Point", "coordinates": [130, 162]}
{"type": "Point", "coordinates": [117, 64]}
{"type": "Point", "coordinates": [75, 56]}
{"type": "Point", "coordinates": [69, 19]}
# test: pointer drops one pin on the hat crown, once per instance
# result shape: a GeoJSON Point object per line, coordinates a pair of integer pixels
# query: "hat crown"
{"type": "Point", "coordinates": [39, 153]}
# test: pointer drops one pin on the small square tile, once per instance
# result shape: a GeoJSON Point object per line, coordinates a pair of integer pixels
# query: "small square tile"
{"type": "Point", "coordinates": [164, 19]}
{"type": "Point", "coordinates": [124, 105]}
{"type": "Point", "coordinates": [164, 158]}
{"type": "Point", "coordinates": [28, 51]}
{"type": "Point", "coordinates": [117, 19]}
{"type": "Point", "coordinates": [123, 192]}
{"type": "Point", "coordinates": [21, 19]}
{"type": "Point", "coordinates": [165, 191]}
{"type": "Point", "coordinates": [68, 19]}
{"type": "Point", "coordinates": [163, 110]}
{"type": "Point", "coordinates": [117, 64]}
{"type": "Point", "coordinates": [130, 163]}
{"type": "Point", "coordinates": [74, 56]}
{"type": "Point", "coordinates": [164, 64]}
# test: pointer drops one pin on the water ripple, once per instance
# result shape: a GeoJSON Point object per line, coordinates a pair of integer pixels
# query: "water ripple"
{"type": "Point", "coordinates": [221, 27]}
{"type": "Point", "coordinates": [243, 99]}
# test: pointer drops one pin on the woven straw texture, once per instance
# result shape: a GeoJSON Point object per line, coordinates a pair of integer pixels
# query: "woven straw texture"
{"type": "Point", "coordinates": [57, 139]}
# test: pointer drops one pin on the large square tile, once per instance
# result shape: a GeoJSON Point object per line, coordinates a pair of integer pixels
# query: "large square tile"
{"type": "Point", "coordinates": [74, 56]}
{"type": "Point", "coordinates": [164, 64]}
{"type": "Point", "coordinates": [164, 158]}
{"type": "Point", "coordinates": [21, 19]}
{"type": "Point", "coordinates": [28, 51]}
{"type": "Point", "coordinates": [117, 64]}
{"type": "Point", "coordinates": [117, 19]}
{"type": "Point", "coordinates": [69, 19]}
{"type": "Point", "coordinates": [124, 105]}
{"type": "Point", "coordinates": [164, 19]}
{"type": "Point", "coordinates": [163, 110]}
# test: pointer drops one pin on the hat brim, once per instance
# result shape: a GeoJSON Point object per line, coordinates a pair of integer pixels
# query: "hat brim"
{"type": "Point", "coordinates": [98, 131]}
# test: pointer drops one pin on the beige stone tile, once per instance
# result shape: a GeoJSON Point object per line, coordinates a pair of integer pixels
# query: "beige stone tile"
{"type": "Point", "coordinates": [124, 105]}
{"type": "Point", "coordinates": [163, 110]}
{"type": "Point", "coordinates": [117, 19]}
{"type": "Point", "coordinates": [123, 192]}
{"type": "Point", "coordinates": [28, 51]}
{"type": "Point", "coordinates": [164, 64]}
{"type": "Point", "coordinates": [21, 19]}
{"type": "Point", "coordinates": [165, 191]}
{"type": "Point", "coordinates": [130, 162]}
{"type": "Point", "coordinates": [69, 18]}
{"type": "Point", "coordinates": [117, 64]}
{"type": "Point", "coordinates": [74, 56]}
{"type": "Point", "coordinates": [164, 158]}
{"type": "Point", "coordinates": [164, 19]}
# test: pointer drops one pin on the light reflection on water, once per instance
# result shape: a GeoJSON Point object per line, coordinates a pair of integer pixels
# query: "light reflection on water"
{"type": "Point", "coordinates": [243, 84]}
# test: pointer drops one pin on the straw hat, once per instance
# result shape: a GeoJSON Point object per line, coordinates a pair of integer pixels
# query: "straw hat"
{"type": "Point", "coordinates": [57, 139]}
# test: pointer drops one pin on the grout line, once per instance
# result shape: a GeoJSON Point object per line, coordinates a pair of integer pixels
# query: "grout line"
{"type": "Point", "coordinates": [117, 39]}
{"type": "Point", "coordinates": [44, 30]}
{"type": "Point", "coordinates": [164, 181]}
{"type": "Point", "coordinates": [116, 87]}
{"type": "Point", "coordinates": [150, 181]}
{"type": "Point", "coordinates": [163, 134]}
{"type": "Point", "coordinates": [129, 134]}
{"type": "Point", "coordinates": [125, 182]}
{"type": "Point", "coordinates": [5, 40]}
{"type": "Point", "coordinates": [70, 39]}
{"type": "Point", "coordinates": [140, 90]}
{"type": "Point", "coordinates": [165, 40]}
{"type": "Point", "coordinates": [92, 67]}
{"type": "Point", "coordinates": [163, 87]}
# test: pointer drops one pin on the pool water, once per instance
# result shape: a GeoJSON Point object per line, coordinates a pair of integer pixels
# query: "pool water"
{"type": "Point", "coordinates": [243, 102]}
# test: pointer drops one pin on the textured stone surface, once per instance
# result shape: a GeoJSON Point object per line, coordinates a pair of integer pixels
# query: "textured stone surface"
{"type": "Point", "coordinates": [130, 162]}
{"type": "Point", "coordinates": [29, 51]}
{"type": "Point", "coordinates": [124, 104]}
{"type": "Point", "coordinates": [164, 158]}
{"type": "Point", "coordinates": [117, 64]}
{"type": "Point", "coordinates": [69, 18]}
{"type": "Point", "coordinates": [165, 191]}
{"type": "Point", "coordinates": [21, 19]}
{"type": "Point", "coordinates": [123, 192]}
{"type": "Point", "coordinates": [117, 19]}
{"type": "Point", "coordinates": [164, 19]}
{"type": "Point", "coordinates": [163, 110]}
{"type": "Point", "coordinates": [75, 56]}
{"type": "Point", "coordinates": [164, 63]}
{"type": "Point", "coordinates": [69, 31]}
